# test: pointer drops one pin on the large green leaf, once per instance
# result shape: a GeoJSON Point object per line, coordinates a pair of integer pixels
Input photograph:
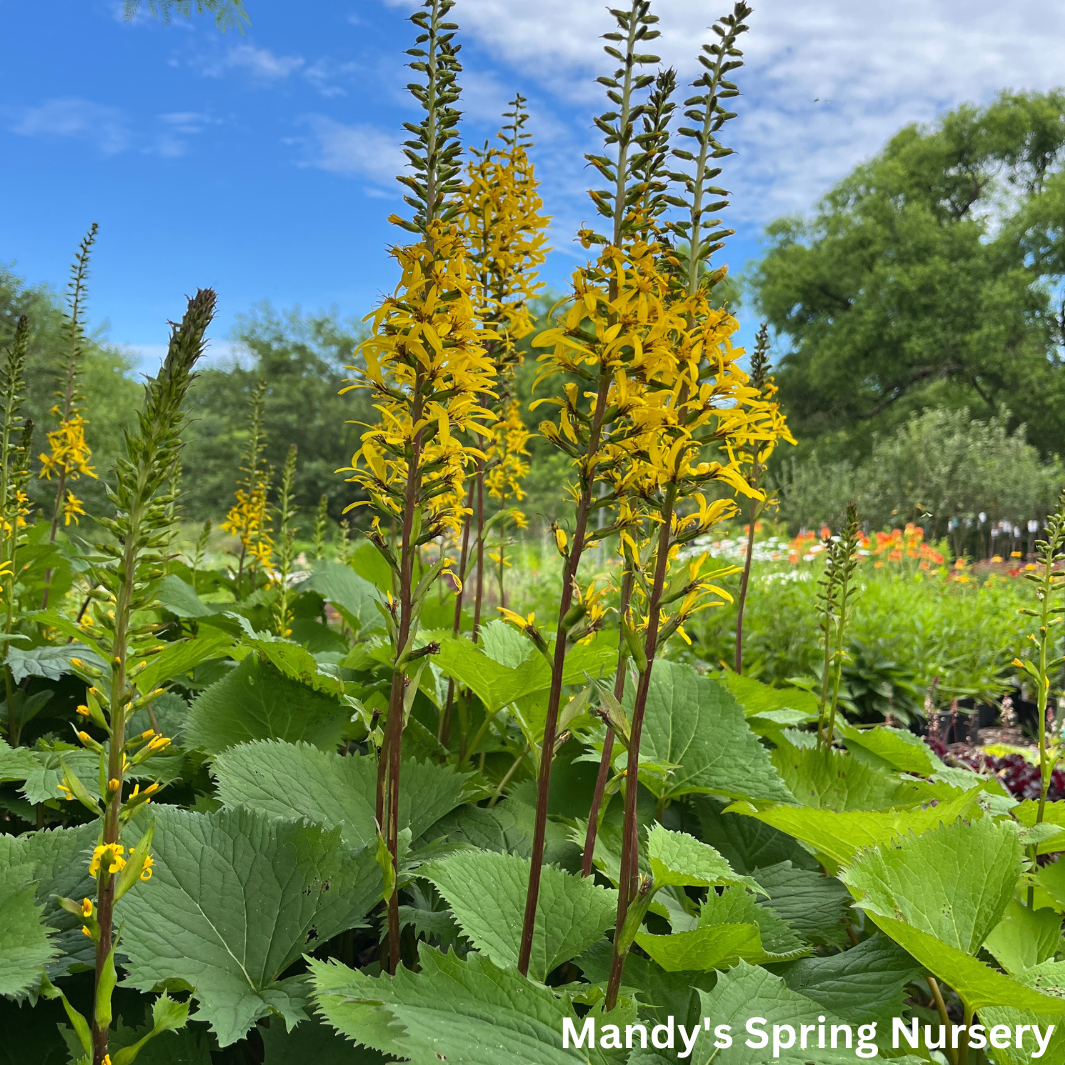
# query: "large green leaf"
{"type": "Point", "coordinates": [507, 828]}
{"type": "Point", "coordinates": [497, 684]}
{"type": "Point", "coordinates": [838, 781]}
{"type": "Point", "coordinates": [748, 844]}
{"type": "Point", "coordinates": [313, 1043]}
{"type": "Point", "coordinates": [180, 657]}
{"type": "Point", "coordinates": [486, 891]}
{"type": "Point", "coordinates": [696, 724]}
{"type": "Point", "coordinates": [1048, 977]}
{"type": "Point", "coordinates": [353, 597]}
{"type": "Point", "coordinates": [60, 859]}
{"type": "Point", "coordinates": [504, 644]}
{"type": "Point", "coordinates": [43, 782]}
{"type": "Point", "coordinates": [254, 702]}
{"type": "Point", "coordinates": [748, 992]}
{"type": "Point", "coordinates": [978, 984]}
{"type": "Point", "coordinates": [758, 698]}
{"type": "Point", "coordinates": [1026, 813]}
{"type": "Point", "coordinates": [680, 860]}
{"type": "Point", "coordinates": [770, 710]}
{"type": "Point", "coordinates": [16, 763]}
{"type": "Point", "coordinates": [952, 882]}
{"type": "Point", "coordinates": [453, 1010]}
{"type": "Point", "coordinates": [294, 661]}
{"type": "Point", "coordinates": [1024, 938]}
{"type": "Point", "coordinates": [236, 898]}
{"type": "Point", "coordinates": [840, 836]}
{"type": "Point", "coordinates": [734, 905]}
{"type": "Point", "coordinates": [892, 747]}
{"type": "Point", "coordinates": [297, 780]}
{"type": "Point", "coordinates": [51, 661]}
{"type": "Point", "coordinates": [180, 598]}
{"type": "Point", "coordinates": [25, 949]}
{"type": "Point", "coordinates": [810, 904]}
{"type": "Point", "coordinates": [703, 949]}
{"type": "Point", "coordinates": [863, 984]}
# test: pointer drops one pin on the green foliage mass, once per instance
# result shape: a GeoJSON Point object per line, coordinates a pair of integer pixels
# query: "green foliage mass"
{"type": "Point", "coordinates": [928, 276]}
{"type": "Point", "coordinates": [301, 358]}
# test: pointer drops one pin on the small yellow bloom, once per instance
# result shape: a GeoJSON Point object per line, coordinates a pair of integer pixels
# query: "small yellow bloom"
{"type": "Point", "coordinates": [86, 908]}
{"type": "Point", "coordinates": [146, 872]}
{"type": "Point", "coordinates": [110, 856]}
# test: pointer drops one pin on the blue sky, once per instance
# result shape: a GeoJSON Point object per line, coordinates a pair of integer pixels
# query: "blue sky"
{"type": "Point", "coordinates": [262, 164]}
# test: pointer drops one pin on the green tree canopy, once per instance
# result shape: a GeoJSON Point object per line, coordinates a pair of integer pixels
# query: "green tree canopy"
{"type": "Point", "coordinates": [930, 275]}
{"type": "Point", "coordinates": [301, 358]}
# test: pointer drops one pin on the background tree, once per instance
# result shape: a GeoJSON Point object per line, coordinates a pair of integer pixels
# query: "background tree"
{"type": "Point", "coordinates": [931, 275]}
{"type": "Point", "coordinates": [227, 13]}
{"type": "Point", "coordinates": [301, 358]}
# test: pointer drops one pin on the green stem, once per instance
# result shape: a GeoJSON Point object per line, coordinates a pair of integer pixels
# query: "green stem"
{"type": "Point", "coordinates": [606, 760]}
{"type": "Point", "coordinates": [629, 839]}
{"type": "Point", "coordinates": [509, 773]}
{"type": "Point", "coordinates": [744, 580]}
{"type": "Point", "coordinates": [554, 698]}
{"type": "Point", "coordinates": [944, 1017]}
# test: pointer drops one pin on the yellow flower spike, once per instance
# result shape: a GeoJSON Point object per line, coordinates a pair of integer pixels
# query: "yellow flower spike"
{"type": "Point", "coordinates": [113, 785]}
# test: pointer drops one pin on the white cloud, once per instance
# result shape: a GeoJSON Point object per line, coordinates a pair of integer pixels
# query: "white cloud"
{"type": "Point", "coordinates": [357, 149]}
{"type": "Point", "coordinates": [103, 126]}
{"type": "Point", "coordinates": [826, 81]}
{"type": "Point", "coordinates": [324, 74]}
{"type": "Point", "coordinates": [189, 122]}
{"type": "Point", "coordinates": [261, 64]}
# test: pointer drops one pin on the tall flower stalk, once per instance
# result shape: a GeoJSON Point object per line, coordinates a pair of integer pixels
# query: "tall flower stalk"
{"type": "Point", "coordinates": [125, 587]}
{"type": "Point", "coordinates": [692, 395]}
{"type": "Point", "coordinates": [321, 527]}
{"type": "Point", "coordinates": [250, 519]}
{"type": "Point", "coordinates": [14, 473]}
{"type": "Point", "coordinates": [426, 366]}
{"type": "Point", "coordinates": [69, 456]}
{"type": "Point", "coordinates": [752, 461]}
{"type": "Point", "coordinates": [834, 596]}
{"type": "Point", "coordinates": [1049, 582]}
{"type": "Point", "coordinates": [500, 218]}
{"type": "Point", "coordinates": [286, 545]}
{"type": "Point", "coordinates": [604, 323]}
